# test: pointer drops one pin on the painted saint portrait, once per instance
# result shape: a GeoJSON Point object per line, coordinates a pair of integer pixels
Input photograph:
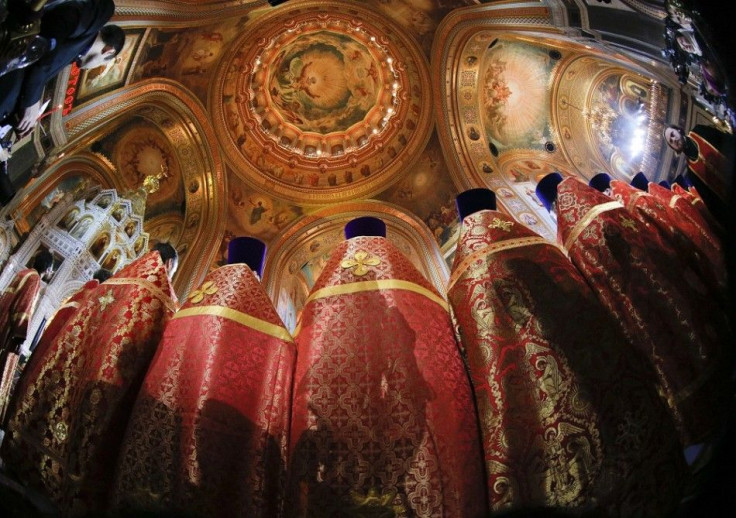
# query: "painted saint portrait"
{"type": "Point", "coordinates": [111, 75]}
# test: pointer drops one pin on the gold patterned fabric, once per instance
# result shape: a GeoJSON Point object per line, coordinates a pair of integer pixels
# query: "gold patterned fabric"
{"type": "Point", "coordinates": [17, 304]}
{"type": "Point", "coordinates": [569, 414]}
{"type": "Point", "coordinates": [383, 422]}
{"type": "Point", "coordinates": [701, 258]}
{"type": "Point", "coordinates": [65, 431]}
{"type": "Point", "coordinates": [208, 433]}
{"type": "Point", "coordinates": [667, 319]}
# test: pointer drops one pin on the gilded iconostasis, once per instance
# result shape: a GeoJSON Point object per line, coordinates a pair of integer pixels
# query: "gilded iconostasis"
{"type": "Point", "coordinates": [282, 122]}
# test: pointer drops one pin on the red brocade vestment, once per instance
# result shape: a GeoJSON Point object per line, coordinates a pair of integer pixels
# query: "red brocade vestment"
{"type": "Point", "coordinates": [383, 421]}
{"type": "Point", "coordinates": [685, 208]}
{"type": "Point", "coordinates": [689, 244]}
{"type": "Point", "coordinates": [207, 436]}
{"type": "Point", "coordinates": [569, 414]}
{"type": "Point", "coordinates": [668, 321]}
{"type": "Point", "coordinates": [17, 304]}
{"type": "Point", "coordinates": [66, 428]}
{"type": "Point", "coordinates": [36, 361]}
{"type": "Point", "coordinates": [694, 199]}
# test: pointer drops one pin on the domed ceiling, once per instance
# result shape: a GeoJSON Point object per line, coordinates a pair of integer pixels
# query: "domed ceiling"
{"type": "Point", "coordinates": [321, 102]}
{"type": "Point", "coordinates": [311, 104]}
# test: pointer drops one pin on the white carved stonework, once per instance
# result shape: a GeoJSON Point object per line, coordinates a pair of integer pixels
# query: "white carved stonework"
{"type": "Point", "coordinates": [97, 230]}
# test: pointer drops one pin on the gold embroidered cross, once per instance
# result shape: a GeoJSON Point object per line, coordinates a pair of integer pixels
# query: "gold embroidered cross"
{"type": "Point", "coordinates": [361, 260]}
{"type": "Point", "coordinates": [208, 288]}
{"type": "Point", "coordinates": [503, 225]}
{"type": "Point", "coordinates": [628, 223]}
{"type": "Point", "coordinates": [106, 300]}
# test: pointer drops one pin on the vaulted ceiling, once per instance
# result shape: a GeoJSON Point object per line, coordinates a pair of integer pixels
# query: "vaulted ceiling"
{"type": "Point", "coordinates": [259, 119]}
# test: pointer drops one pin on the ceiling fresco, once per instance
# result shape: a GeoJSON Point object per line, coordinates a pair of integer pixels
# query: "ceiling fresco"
{"type": "Point", "coordinates": [329, 104]}
{"type": "Point", "coordinates": [427, 191]}
{"type": "Point", "coordinates": [312, 104]}
{"type": "Point", "coordinates": [524, 105]}
{"type": "Point", "coordinates": [139, 149]}
{"type": "Point", "coordinates": [514, 99]}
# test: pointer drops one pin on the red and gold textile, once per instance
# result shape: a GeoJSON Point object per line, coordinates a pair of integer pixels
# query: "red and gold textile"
{"type": "Point", "coordinates": [383, 422]}
{"type": "Point", "coordinates": [17, 304]}
{"type": "Point", "coordinates": [66, 428]}
{"type": "Point", "coordinates": [665, 318]}
{"type": "Point", "coordinates": [694, 199]}
{"type": "Point", "coordinates": [209, 429]}
{"type": "Point", "coordinates": [698, 255]}
{"type": "Point", "coordinates": [569, 413]}
{"type": "Point", "coordinates": [66, 310]}
{"type": "Point", "coordinates": [685, 209]}
{"type": "Point", "coordinates": [710, 166]}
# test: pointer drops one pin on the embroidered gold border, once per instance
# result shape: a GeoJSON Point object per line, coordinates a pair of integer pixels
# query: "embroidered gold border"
{"type": "Point", "coordinates": [236, 316]}
{"type": "Point", "coordinates": [158, 292]}
{"type": "Point", "coordinates": [24, 279]}
{"type": "Point", "coordinates": [492, 249]}
{"type": "Point", "coordinates": [376, 285]}
{"type": "Point", "coordinates": [588, 218]}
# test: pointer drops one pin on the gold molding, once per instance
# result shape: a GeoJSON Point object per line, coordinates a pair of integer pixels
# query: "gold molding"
{"type": "Point", "coordinates": [193, 139]}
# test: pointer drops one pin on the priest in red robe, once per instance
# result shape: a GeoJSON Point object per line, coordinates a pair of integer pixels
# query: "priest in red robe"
{"type": "Point", "coordinates": [383, 422]}
{"type": "Point", "coordinates": [207, 436]}
{"type": "Point", "coordinates": [38, 355]}
{"type": "Point", "coordinates": [634, 279]}
{"type": "Point", "coordinates": [569, 414]}
{"type": "Point", "coordinates": [702, 261]}
{"type": "Point", "coordinates": [17, 304]}
{"type": "Point", "coordinates": [65, 432]}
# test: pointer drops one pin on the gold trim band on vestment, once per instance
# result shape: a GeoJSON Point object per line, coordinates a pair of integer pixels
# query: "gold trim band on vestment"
{"type": "Point", "coordinates": [673, 200]}
{"type": "Point", "coordinates": [157, 292]}
{"type": "Point", "coordinates": [236, 316]}
{"type": "Point", "coordinates": [587, 219]}
{"type": "Point", "coordinates": [635, 196]}
{"type": "Point", "coordinates": [376, 285]}
{"type": "Point", "coordinates": [24, 279]}
{"type": "Point", "coordinates": [495, 248]}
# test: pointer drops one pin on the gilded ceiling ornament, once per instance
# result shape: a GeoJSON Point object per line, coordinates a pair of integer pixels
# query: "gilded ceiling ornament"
{"type": "Point", "coordinates": [360, 262]}
{"type": "Point", "coordinates": [330, 103]}
{"type": "Point", "coordinates": [208, 288]}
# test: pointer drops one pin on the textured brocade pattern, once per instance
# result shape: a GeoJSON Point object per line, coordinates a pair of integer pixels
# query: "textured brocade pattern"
{"type": "Point", "coordinates": [700, 217]}
{"type": "Point", "coordinates": [383, 422]}
{"type": "Point", "coordinates": [665, 318]}
{"type": "Point", "coordinates": [16, 306]}
{"type": "Point", "coordinates": [569, 417]}
{"type": "Point", "coordinates": [208, 432]}
{"type": "Point", "coordinates": [701, 256]}
{"type": "Point", "coordinates": [65, 433]}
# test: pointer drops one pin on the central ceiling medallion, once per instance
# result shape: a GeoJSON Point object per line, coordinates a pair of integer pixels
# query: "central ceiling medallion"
{"type": "Point", "coordinates": [322, 102]}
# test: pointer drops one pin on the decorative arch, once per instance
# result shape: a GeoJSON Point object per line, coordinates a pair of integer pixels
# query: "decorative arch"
{"type": "Point", "coordinates": [183, 120]}
{"type": "Point", "coordinates": [294, 261]}
{"type": "Point", "coordinates": [514, 107]}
